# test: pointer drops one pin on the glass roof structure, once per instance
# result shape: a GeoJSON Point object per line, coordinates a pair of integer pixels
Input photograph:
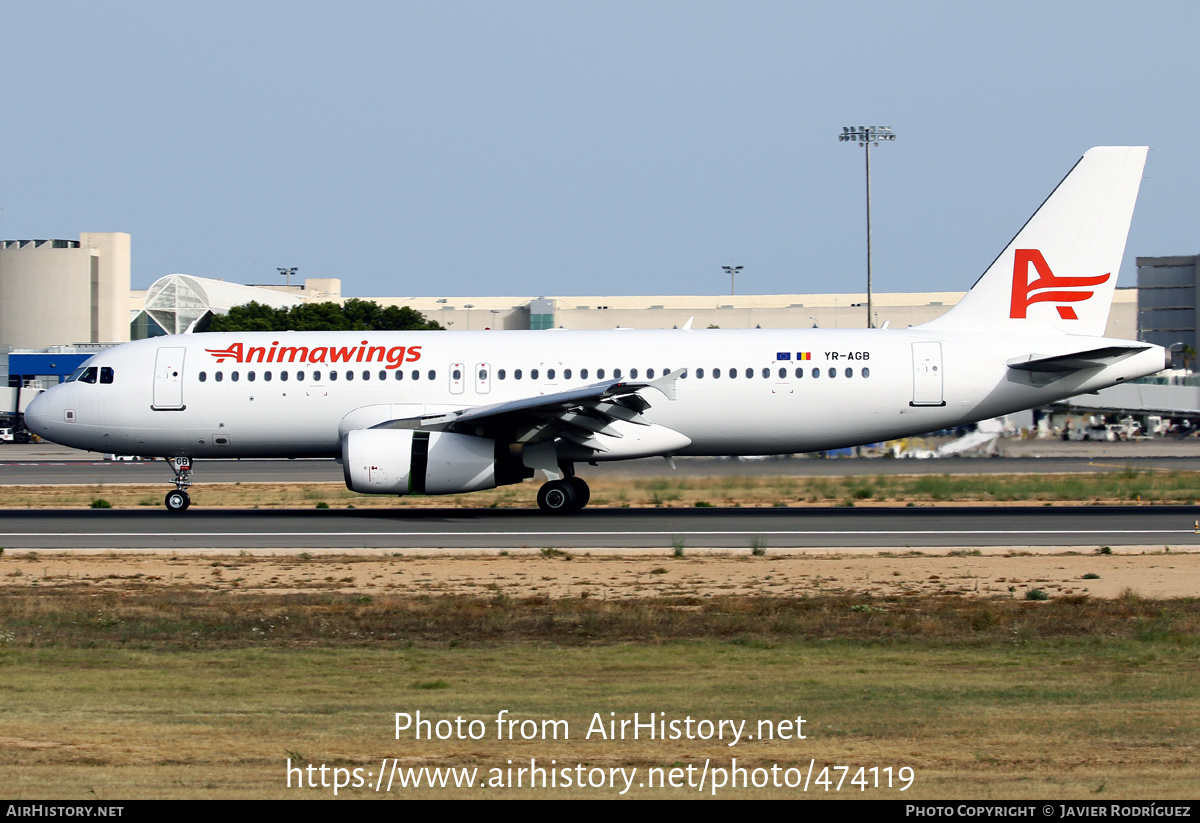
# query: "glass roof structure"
{"type": "Point", "coordinates": [176, 302]}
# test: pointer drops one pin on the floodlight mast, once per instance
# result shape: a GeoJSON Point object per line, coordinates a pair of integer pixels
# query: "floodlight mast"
{"type": "Point", "coordinates": [732, 272]}
{"type": "Point", "coordinates": [865, 136]}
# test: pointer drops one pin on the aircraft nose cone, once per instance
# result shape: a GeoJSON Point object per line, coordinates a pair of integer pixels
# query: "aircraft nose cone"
{"type": "Point", "coordinates": [37, 415]}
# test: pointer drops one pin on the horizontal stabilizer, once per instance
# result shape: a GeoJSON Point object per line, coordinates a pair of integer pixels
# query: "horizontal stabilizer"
{"type": "Point", "coordinates": [1074, 361]}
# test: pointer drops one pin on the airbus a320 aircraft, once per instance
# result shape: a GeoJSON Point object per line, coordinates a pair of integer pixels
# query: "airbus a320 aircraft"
{"type": "Point", "coordinates": [435, 412]}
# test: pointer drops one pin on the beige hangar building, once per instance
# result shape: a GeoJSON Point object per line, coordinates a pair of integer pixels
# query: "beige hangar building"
{"type": "Point", "coordinates": [72, 292]}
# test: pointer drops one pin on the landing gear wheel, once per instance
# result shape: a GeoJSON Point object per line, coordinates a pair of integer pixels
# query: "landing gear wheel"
{"type": "Point", "coordinates": [177, 501]}
{"type": "Point", "coordinates": [582, 493]}
{"type": "Point", "coordinates": [557, 497]}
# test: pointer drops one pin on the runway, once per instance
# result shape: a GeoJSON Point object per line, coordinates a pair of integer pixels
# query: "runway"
{"type": "Point", "coordinates": [886, 528]}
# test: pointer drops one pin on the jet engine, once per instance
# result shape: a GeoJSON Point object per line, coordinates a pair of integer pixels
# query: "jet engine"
{"type": "Point", "coordinates": [404, 461]}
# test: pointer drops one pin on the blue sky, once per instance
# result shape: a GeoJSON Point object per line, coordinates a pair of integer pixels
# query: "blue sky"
{"type": "Point", "coordinates": [557, 148]}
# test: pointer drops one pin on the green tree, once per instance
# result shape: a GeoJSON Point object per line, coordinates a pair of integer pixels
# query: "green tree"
{"type": "Point", "coordinates": [354, 315]}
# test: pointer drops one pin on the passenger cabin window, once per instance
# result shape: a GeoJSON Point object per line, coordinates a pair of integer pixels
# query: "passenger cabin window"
{"type": "Point", "coordinates": [432, 375]}
{"type": "Point", "coordinates": [233, 376]}
{"type": "Point", "coordinates": [219, 376]}
{"type": "Point", "coordinates": [583, 374]}
{"type": "Point", "coordinates": [816, 372]}
{"type": "Point", "coordinates": [599, 374]}
{"type": "Point", "coordinates": [416, 375]}
{"type": "Point", "coordinates": [203, 376]}
{"type": "Point", "coordinates": [501, 374]}
{"type": "Point", "coordinates": [533, 374]}
{"type": "Point", "coordinates": [250, 376]}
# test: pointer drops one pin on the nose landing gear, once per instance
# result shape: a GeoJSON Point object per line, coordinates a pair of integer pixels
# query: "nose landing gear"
{"type": "Point", "coordinates": [178, 500]}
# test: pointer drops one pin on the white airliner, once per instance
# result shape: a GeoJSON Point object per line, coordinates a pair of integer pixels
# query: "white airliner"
{"type": "Point", "coordinates": [444, 412]}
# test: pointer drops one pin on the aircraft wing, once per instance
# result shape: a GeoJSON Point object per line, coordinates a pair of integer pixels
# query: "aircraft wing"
{"type": "Point", "coordinates": [1074, 361]}
{"type": "Point", "coordinates": [576, 415]}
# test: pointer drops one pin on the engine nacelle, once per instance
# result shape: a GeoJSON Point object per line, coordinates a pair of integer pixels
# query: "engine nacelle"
{"type": "Point", "coordinates": [404, 461]}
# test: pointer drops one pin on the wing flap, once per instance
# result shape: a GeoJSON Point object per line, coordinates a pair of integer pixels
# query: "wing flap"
{"type": "Point", "coordinates": [583, 416]}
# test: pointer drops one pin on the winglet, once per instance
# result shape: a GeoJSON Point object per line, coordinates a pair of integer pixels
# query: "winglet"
{"type": "Point", "coordinates": [666, 383]}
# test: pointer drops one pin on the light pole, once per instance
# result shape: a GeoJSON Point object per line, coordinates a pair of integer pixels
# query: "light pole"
{"type": "Point", "coordinates": [732, 272]}
{"type": "Point", "coordinates": [286, 273]}
{"type": "Point", "coordinates": [866, 136]}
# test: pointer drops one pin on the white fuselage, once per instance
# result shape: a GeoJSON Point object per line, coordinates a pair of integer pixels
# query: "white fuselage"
{"type": "Point", "coordinates": [745, 392]}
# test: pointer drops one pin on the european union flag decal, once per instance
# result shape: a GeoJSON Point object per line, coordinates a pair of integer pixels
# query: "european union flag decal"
{"type": "Point", "coordinates": [783, 355]}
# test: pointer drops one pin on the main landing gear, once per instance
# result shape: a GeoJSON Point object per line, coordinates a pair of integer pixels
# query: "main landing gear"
{"type": "Point", "coordinates": [565, 495]}
{"type": "Point", "coordinates": [178, 500]}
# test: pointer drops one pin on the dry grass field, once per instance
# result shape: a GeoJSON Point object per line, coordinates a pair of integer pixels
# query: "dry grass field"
{"type": "Point", "coordinates": [201, 676]}
{"type": "Point", "coordinates": [1008, 674]}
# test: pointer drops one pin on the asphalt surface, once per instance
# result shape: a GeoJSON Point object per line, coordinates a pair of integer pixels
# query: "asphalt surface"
{"type": "Point", "coordinates": [1084, 527]}
{"type": "Point", "coordinates": [882, 528]}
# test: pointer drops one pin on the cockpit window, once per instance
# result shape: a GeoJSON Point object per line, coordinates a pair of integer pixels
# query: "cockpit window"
{"type": "Point", "coordinates": [106, 374]}
{"type": "Point", "coordinates": [89, 375]}
{"type": "Point", "coordinates": [75, 375]}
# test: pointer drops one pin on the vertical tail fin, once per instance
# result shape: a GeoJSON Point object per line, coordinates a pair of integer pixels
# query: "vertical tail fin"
{"type": "Point", "coordinates": [1060, 270]}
